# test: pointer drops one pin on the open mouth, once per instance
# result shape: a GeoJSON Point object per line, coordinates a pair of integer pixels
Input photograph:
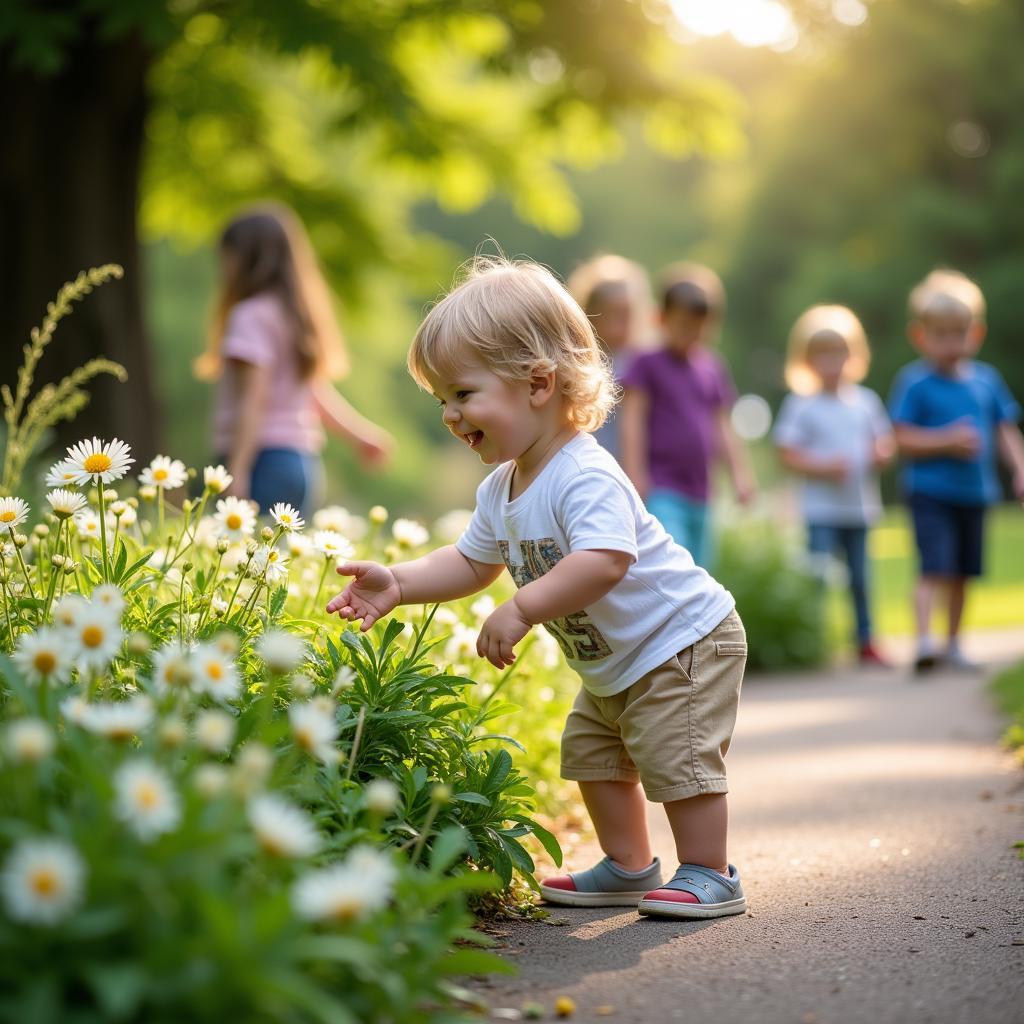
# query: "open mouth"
{"type": "Point", "coordinates": [473, 438]}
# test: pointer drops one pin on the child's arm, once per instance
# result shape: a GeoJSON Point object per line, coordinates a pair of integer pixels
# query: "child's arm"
{"type": "Point", "coordinates": [253, 383]}
{"type": "Point", "coordinates": [1011, 445]}
{"type": "Point", "coordinates": [736, 458]}
{"type": "Point", "coordinates": [834, 470]}
{"type": "Point", "coordinates": [958, 440]}
{"type": "Point", "coordinates": [372, 444]}
{"type": "Point", "coordinates": [633, 438]}
{"type": "Point", "coordinates": [443, 575]}
{"type": "Point", "coordinates": [578, 580]}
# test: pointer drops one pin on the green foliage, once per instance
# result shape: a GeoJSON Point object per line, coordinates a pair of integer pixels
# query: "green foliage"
{"type": "Point", "coordinates": [26, 424]}
{"type": "Point", "coordinates": [779, 599]}
{"type": "Point", "coordinates": [1008, 689]}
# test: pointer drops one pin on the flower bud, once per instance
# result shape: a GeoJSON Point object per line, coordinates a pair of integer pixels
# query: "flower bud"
{"type": "Point", "coordinates": [267, 534]}
{"type": "Point", "coordinates": [441, 794]}
{"type": "Point", "coordinates": [378, 514]}
{"type": "Point", "coordinates": [41, 530]}
{"type": "Point", "coordinates": [110, 495]}
{"type": "Point", "coordinates": [57, 560]}
{"type": "Point", "coordinates": [20, 540]}
{"type": "Point", "coordinates": [222, 546]}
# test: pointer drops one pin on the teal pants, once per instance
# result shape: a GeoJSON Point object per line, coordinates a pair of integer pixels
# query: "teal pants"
{"type": "Point", "coordinates": [686, 521]}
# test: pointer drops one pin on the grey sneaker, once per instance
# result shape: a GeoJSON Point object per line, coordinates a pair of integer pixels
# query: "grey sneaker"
{"type": "Point", "coordinates": [955, 659]}
{"type": "Point", "coordinates": [603, 885]}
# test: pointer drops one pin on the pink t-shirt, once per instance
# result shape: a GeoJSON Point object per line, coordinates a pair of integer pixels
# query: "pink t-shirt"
{"type": "Point", "coordinates": [258, 332]}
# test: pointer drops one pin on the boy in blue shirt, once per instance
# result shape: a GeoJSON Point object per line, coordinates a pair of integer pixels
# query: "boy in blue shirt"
{"type": "Point", "coordinates": [950, 415]}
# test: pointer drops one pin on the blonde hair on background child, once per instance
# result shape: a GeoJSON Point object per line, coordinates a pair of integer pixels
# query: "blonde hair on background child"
{"type": "Point", "coordinates": [945, 292]}
{"type": "Point", "coordinates": [517, 319]}
{"type": "Point", "coordinates": [265, 249]}
{"type": "Point", "coordinates": [594, 283]}
{"type": "Point", "coordinates": [825, 326]}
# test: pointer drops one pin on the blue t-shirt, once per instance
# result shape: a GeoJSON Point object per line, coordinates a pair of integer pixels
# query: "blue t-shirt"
{"type": "Point", "coordinates": [923, 397]}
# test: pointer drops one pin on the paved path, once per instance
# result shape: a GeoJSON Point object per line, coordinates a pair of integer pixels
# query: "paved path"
{"type": "Point", "coordinates": [873, 818]}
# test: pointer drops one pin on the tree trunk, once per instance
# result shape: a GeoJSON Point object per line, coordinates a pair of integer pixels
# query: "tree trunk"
{"type": "Point", "coordinates": [69, 187]}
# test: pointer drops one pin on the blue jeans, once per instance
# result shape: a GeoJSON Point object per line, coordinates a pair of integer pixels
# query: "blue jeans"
{"type": "Point", "coordinates": [685, 520]}
{"type": "Point", "coordinates": [286, 474]}
{"type": "Point", "coordinates": [825, 539]}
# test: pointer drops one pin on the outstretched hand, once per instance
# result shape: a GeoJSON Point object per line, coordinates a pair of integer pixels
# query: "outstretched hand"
{"type": "Point", "coordinates": [502, 630]}
{"type": "Point", "coordinates": [373, 592]}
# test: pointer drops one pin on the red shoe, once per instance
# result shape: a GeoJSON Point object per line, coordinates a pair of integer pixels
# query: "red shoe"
{"type": "Point", "coordinates": [870, 657]}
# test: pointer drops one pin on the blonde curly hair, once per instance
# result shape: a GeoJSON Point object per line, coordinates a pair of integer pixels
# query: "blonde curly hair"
{"type": "Point", "coordinates": [822, 326]}
{"type": "Point", "coordinates": [518, 320]}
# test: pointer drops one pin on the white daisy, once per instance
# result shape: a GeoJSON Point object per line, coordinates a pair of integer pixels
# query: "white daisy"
{"type": "Point", "coordinates": [173, 671]}
{"type": "Point", "coordinates": [145, 799]}
{"type": "Point", "coordinates": [445, 617]}
{"type": "Point", "coordinates": [281, 651]}
{"type": "Point", "coordinates": [314, 730]}
{"type": "Point", "coordinates": [216, 479]}
{"type": "Point", "coordinates": [461, 645]}
{"type": "Point", "coordinates": [333, 518]}
{"type": "Point", "coordinates": [74, 709]}
{"type": "Point", "coordinates": [216, 673]}
{"type": "Point", "coordinates": [13, 512]}
{"type": "Point", "coordinates": [287, 516]}
{"type": "Point", "coordinates": [482, 607]}
{"type": "Point", "coordinates": [215, 731]}
{"type": "Point", "coordinates": [172, 732]}
{"type": "Point", "coordinates": [92, 459]}
{"type": "Point", "coordinates": [450, 527]}
{"type": "Point", "coordinates": [297, 544]}
{"type": "Point", "coordinates": [164, 473]}
{"type": "Point", "coordinates": [378, 515]}
{"type": "Point", "coordinates": [121, 514]}
{"type": "Point", "coordinates": [118, 720]}
{"type": "Point", "coordinates": [44, 654]}
{"type": "Point", "coordinates": [68, 610]}
{"type": "Point", "coordinates": [207, 532]}
{"type": "Point", "coordinates": [409, 534]}
{"type": "Point", "coordinates": [61, 474]}
{"type": "Point", "coordinates": [109, 596]}
{"type": "Point", "coordinates": [87, 524]}
{"type": "Point", "coordinates": [236, 518]}
{"type": "Point", "coordinates": [343, 892]}
{"type": "Point", "coordinates": [95, 638]}
{"type": "Point", "coordinates": [253, 765]}
{"type": "Point", "coordinates": [269, 562]}
{"type": "Point", "coordinates": [381, 796]}
{"type": "Point", "coordinates": [344, 680]}
{"type": "Point", "coordinates": [210, 780]}
{"type": "Point", "coordinates": [42, 881]}
{"type": "Point", "coordinates": [65, 503]}
{"type": "Point", "coordinates": [332, 545]}
{"type": "Point", "coordinates": [283, 829]}
{"type": "Point", "coordinates": [29, 740]}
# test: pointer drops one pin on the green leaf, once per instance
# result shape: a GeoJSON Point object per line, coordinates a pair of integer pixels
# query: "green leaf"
{"type": "Point", "coordinates": [119, 988]}
{"type": "Point", "coordinates": [475, 961]}
{"type": "Point", "coordinates": [546, 839]}
{"type": "Point", "coordinates": [473, 798]}
{"type": "Point", "coordinates": [447, 848]}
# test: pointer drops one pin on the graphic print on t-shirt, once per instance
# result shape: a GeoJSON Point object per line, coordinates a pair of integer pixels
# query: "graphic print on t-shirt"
{"type": "Point", "coordinates": [578, 637]}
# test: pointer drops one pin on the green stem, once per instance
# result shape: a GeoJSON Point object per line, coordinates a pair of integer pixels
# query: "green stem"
{"type": "Point", "coordinates": [53, 572]}
{"type": "Point", "coordinates": [357, 739]}
{"type": "Point", "coordinates": [193, 517]}
{"type": "Point", "coordinates": [7, 611]}
{"type": "Point", "coordinates": [103, 530]}
{"type": "Point", "coordinates": [320, 586]}
{"type": "Point", "coordinates": [421, 839]}
{"type": "Point", "coordinates": [212, 587]}
{"type": "Point", "coordinates": [24, 568]}
{"type": "Point", "coordinates": [241, 576]}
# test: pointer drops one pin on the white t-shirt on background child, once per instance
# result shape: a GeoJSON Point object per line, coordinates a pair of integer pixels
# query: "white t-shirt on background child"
{"type": "Point", "coordinates": [583, 501]}
{"type": "Point", "coordinates": [829, 426]}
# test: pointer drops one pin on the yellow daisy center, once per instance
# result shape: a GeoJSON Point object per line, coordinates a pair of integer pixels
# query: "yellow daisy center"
{"type": "Point", "coordinates": [147, 796]}
{"type": "Point", "coordinates": [346, 909]}
{"type": "Point", "coordinates": [92, 636]}
{"type": "Point", "coordinates": [8, 517]}
{"type": "Point", "coordinates": [234, 521]}
{"type": "Point", "coordinates": [44, 882]}
{"type": "Point", "coordinates": [44, 662]}
{"type": "Point", "coordinates": [160, 474]}
{"type": "Point", "coordinates": [285, 518]}
{"type": "Point", "coordinates": [214, 670]}
{"type": "Point", "coordinates": [98, 463]}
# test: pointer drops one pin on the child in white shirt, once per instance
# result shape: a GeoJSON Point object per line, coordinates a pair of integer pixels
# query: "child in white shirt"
{"type": "Point", "coordinates": [656, 641]}
{"type": "Point", "coordinates": [836, 435]}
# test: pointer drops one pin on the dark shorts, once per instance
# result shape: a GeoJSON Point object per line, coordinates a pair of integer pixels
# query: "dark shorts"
{"type": "Point", "coordinates": [949, 537]}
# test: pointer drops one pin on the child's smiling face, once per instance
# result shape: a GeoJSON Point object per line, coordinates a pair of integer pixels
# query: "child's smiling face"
{"type": "Point", "coordinates": [946, 340]}
{"type": "Point", "coordinates": [492, 416]}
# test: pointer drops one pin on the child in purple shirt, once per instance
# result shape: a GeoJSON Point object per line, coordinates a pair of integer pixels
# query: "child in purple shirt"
{"type": "Point", "coordinates": [675, 412]}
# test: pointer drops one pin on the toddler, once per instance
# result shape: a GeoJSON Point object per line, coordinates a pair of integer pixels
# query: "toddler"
{"type": "Point", "coordinates": [951, 413]}
{"type": "Point", "coordinates": [615, 295]}
{"type": "Point", "coordinates": [835, 434]}
{"type": "Point", "coordinates": [521, 381]}
{"type": "Point", "coordinates": [676, 412]}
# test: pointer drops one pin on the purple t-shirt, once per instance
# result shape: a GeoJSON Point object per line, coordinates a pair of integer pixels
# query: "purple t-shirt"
{"type": "Point", "coordinates": [258, 332]}
{"type": "Point", "coordinates": [684, 395]}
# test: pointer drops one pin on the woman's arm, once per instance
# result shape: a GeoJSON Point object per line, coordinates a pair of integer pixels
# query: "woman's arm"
{"type": "Point", "coordinates": [834, 470]}
{"type": "Point", "coordinates": [736, 458]}
{"type": "Point", "coordinates": [253, 387]}
{"type": "Point", "coordinates": [633, 438]}
{"type": "Point", "coordinates": [372, 444]}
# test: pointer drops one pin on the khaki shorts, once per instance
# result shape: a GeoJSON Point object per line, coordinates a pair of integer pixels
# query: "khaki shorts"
{"type": "Point", "coordinates": [671, 729]}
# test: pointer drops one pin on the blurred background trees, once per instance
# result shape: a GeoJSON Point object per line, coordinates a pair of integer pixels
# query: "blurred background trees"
{"type": "Point", "coordinates": [854, 147]}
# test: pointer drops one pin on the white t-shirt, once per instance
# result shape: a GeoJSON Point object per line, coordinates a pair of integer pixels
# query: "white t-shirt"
{"type": "Point", "coordinates": [844, 425]}
{"type": "Point", "coordinates": [583, 501]}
